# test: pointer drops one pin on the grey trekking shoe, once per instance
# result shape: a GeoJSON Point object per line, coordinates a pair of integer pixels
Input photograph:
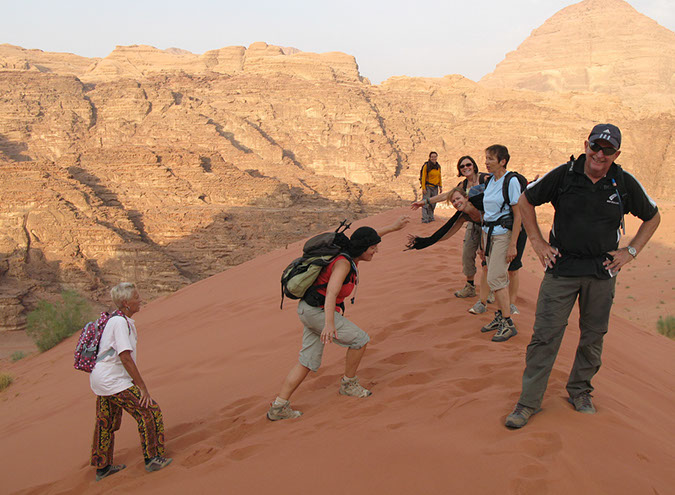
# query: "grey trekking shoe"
{"type": "Point", "coordinates": [467, 291]}
{"type": "Point", "coordinates": [353, 388]}
{"type": "Point", "coordinates": [583, 403]}
{"type": "Point", "coordinates": [506, 330]}
{"type": "Point", "coordinates": [157, 463]}
{"type": "Point", "coordinates": [520, 416]}
{"type": "Point", "coordinates": [491, 297]}
{"type": "Point", "coordinates": [282, 412]}
{"type": "Point", "coordinates": [109, 471]}
{"type": "Point", "coordinates": [494, 324]}
{"type": "Point", "coordinates": [514, 310]}
{"type": "Point", "coordinates": [478, 308]}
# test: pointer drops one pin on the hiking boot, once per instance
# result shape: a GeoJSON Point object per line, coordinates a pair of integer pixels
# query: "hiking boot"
{"type": "Point", "coordinates": [282, 412]}
{"type": "Point", "coordinates": [157, 463]}
{"type": "Point", "coordinates": [582, 403]}
{"type": "Point", "coordinates": [491, 297]}
{"type": "Point", "coordinates": [467, 291]}
{"type": "Point", "coordinates": [520, 416]}
{"type": "Point", "coordinates": [108, 470]}
{"type": "Point", "coordinates": [506, 330]}
{"type": "Point", "coordinates": [353, 388]}
{"type": "Point", "coordinates": [514, 310]}
{"type": "Point", "coordinates": [478, 308]}
{"type": "Point", "coordinates": [494, 324]}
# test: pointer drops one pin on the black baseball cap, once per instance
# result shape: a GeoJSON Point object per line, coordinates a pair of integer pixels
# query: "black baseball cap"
{"type": "Point", "coordinates": [608, 132]}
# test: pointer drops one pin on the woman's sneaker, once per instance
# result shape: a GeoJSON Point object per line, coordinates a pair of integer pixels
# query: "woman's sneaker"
{"type": "Point", "coordinates": [467, 291]}
{"type": "Point", "coordinates": [108, 471]}
{"type": "Point", "coordinates": [506, 330]}
{"type": "Point", "coordinates": [282, 411]}
{"type": "Point", "coordinates": [494, 324]}
{"type": "Point", "coordinates": [514, 309]}
{"type": "Point", "coordinates": [478, 308]}
{"type": "Point", "coordinates": [353, 388]}
{"type": "Point", "coordinates": [157, 463]}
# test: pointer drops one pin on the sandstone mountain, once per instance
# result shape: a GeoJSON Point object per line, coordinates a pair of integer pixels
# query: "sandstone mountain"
{"type": "Point", "coordinates": [604, 46]}
{"type": "Point", "coordinates": [164, 167]}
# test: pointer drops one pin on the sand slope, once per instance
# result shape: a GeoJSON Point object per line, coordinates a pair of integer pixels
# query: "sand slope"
{"type": "Point", "coordinates": [214, 355]}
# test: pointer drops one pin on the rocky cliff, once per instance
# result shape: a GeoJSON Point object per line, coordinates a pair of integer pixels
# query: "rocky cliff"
{"type": "Point", "coordinates": [604, 46]}
{"type": "Point", "coordinates": [164, 167]}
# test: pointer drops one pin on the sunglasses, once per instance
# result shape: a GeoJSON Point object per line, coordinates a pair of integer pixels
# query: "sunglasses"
{"type": "Point", "coordinates": [466, 165]}
{"type": "Point", "coordinates": [606, 150]}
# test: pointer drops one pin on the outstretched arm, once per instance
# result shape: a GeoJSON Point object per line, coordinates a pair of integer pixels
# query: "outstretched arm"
{"type": "Point", "coordinates": [436, 199]}
{"type": "Point", "coordinates": [401, 222]}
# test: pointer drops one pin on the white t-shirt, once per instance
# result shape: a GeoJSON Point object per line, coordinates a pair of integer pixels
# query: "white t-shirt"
{"type": "Point", "coordinates": [109, 376]}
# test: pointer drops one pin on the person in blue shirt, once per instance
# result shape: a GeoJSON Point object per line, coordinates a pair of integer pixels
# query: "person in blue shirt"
{"type": "Point", "coordinates": [500, 220]}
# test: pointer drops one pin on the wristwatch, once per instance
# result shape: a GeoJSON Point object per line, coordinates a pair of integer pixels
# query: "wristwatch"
{"type": "Point", "coordinates": [632, 251]}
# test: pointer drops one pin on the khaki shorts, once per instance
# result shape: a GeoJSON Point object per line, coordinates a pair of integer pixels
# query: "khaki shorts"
{"type": "Point", "coordinates": [314, 319]}
{"type": "Point", "coordinates": [498, 277]}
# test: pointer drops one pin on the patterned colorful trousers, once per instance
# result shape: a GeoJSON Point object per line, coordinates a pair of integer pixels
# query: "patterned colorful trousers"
{"type": "Point", "coordinates": [109, 419]}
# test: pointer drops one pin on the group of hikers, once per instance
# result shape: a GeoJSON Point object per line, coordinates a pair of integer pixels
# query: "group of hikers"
{"type": "Point", "coordinates": [590, 195]}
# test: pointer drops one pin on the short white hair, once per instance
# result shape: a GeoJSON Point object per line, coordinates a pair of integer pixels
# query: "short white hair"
{"type": "Point", "coordinates": [122, 293]}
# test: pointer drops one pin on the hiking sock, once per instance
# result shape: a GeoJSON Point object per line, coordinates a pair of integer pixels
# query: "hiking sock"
{"type": "Point", "coordinates": [103, 470]}
{"type": "Point", "coordinates": [345, 378]}
{"type": "Point", "coordinates": [279, 401]}
{"type": "Point", "coordinates": [470, 282]}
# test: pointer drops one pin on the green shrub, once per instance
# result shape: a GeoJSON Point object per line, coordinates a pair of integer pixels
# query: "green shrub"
{"type": "Point", "coordinates": [666, 326]}
{"type": "Point", "coordinates": [17, 355]}
{"type": "Point", "coordinates": [5, 380]}
{"type": "Point", "coordinates": [48, 324]}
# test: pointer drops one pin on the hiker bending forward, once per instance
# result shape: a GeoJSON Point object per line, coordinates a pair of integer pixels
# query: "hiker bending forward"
{"type": "Point", "coordinates": [323, 327]}
{"type": "Point", "coordinates": [118, 385]}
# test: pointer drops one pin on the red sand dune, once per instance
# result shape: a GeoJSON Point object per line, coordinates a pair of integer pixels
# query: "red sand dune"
{"type": "Point", "coordinates": [215, 353]}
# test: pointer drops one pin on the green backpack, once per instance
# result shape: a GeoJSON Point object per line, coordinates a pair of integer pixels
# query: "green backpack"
{"type": "Point", "coordinates": [318, 252]}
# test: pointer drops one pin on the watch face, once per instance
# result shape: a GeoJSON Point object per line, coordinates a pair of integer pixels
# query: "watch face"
{"type": "Point", "coordinates": [632, 251]}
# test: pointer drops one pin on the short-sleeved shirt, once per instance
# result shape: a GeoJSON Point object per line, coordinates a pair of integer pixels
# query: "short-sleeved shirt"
{"type": "Point", "coordinates": [109, 376]}
{"type": "Point", "coordinates": [587, 218]}
{"type": "Point", "coordinates": [493, 201]}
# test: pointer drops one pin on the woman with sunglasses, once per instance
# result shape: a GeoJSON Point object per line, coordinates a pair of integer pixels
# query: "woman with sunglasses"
{"type": "Point", "coordinates": [468, 169]}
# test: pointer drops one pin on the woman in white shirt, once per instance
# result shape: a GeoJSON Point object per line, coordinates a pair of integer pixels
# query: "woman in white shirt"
{"type": "Point", "coordinates": [118, 385]}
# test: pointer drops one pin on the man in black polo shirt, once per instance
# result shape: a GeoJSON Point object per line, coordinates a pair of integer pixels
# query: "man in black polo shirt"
{"type": "Point", "coordinates": [590, 196]}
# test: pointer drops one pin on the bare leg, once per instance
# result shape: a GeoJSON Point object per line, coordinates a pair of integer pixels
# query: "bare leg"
{"type": "Point", "coordinates": [484, 288]}
{"type": "Point", "coordinates": [295, 377]}
{"type": "Point", "coordinates": [352, 361]}
{"type": "Point", "coordinates": [502, 299]}
{"type": "Point", "coordinates": [514, 285]}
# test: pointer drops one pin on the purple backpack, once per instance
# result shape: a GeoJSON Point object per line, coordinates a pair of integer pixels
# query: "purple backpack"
{"type": "Point", "coordinates": [90, 338]}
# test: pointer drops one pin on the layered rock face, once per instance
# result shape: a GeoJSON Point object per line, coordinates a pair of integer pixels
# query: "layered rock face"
{"type": "Point", "coordinates": [164, 167]}
{"type": "Point", "coordinates": [604, 46]}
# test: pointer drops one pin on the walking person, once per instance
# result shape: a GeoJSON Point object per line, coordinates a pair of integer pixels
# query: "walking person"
{"type": "Point", "coordinates": [432, 184]}
{"type": "Point", "coordinates": [119, 386]}
{"type": "Point", "coordinates": [334, 284]}
{"type": "Point", "coordinates": [590, 196]}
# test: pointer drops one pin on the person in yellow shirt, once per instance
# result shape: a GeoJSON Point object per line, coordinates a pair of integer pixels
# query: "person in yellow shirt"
{"type": "Point", "coordinates": [430, 180]}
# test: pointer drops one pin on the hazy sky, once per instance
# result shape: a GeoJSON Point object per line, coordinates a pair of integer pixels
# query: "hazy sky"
{"type": "Point", "coordinates": [388, 38]}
